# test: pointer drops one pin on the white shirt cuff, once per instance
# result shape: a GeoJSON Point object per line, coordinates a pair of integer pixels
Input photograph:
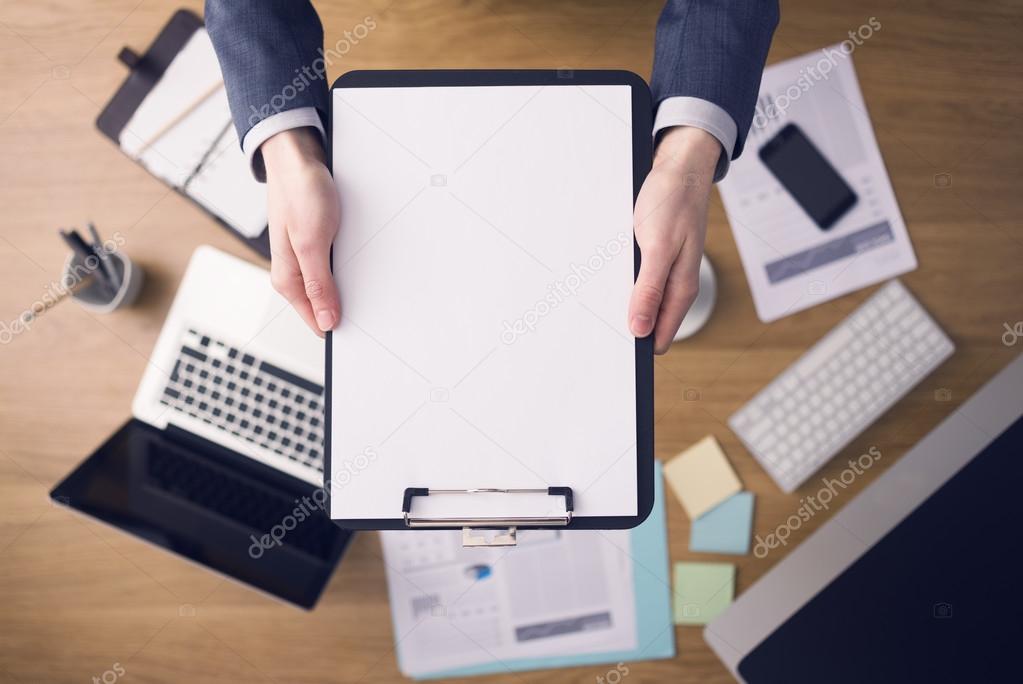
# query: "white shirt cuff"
{"type": "Point", "coordinates": [271, 126]}
{"type": "Point", "coordinates": [693, 111]}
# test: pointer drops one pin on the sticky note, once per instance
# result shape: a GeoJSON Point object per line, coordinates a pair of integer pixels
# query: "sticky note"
{"type": "Point", "coordinates": [726, 528]}
{"type": "Point", "coordinates": [702, 591]}
{"type": "Point", "coordinates": [701, 477]}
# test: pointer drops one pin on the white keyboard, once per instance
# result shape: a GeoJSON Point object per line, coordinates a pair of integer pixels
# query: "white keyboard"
{"type": "Point", "coordinates": [840, 386]}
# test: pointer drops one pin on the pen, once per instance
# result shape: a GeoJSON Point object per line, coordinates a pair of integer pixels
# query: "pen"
{"type": "Point", "coordinates": [106, 262]}
{"type": "Point", "coordinates": [75, 241]}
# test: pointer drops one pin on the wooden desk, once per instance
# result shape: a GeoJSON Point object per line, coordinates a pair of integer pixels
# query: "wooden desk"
{"type": "Point", "coordinates": [943, 84]}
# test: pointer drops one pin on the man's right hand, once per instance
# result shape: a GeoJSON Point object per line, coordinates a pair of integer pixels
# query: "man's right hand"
{"type": "Point", "coordinates": [304, 214]}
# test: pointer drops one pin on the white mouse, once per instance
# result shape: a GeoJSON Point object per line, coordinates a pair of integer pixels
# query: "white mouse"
{"type": "Point", "coordinates": [700, 311]}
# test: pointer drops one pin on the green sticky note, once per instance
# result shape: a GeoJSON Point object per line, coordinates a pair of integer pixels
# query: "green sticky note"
{"type": "Point", "coordinates": [702, 591]}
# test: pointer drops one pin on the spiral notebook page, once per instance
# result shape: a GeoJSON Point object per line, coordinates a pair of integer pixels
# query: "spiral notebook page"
{"type": "Point", "coordinates": [485, 262]}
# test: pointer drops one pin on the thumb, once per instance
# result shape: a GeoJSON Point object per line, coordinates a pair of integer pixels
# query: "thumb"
{"type": "Point", "coordinates": [320, 289]}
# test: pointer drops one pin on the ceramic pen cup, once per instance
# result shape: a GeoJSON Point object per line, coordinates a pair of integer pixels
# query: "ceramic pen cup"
{"type": "Point", "coordinates": [96, 295]}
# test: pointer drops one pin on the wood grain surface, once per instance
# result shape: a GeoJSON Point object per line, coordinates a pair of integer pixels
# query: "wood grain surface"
{"type": "Point", "coordinates": [944, 85]}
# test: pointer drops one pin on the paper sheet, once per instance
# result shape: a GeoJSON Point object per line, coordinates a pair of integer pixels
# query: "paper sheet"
{"type": "Point", "coordinates": [200, 155]}
{"type": "Point", "coordinates": [556, 593]}
{"type": "Point", "coordinates": [790, 263]}
{"type": "Point", "coordinates": [701, 477]}
{"type": "Point", "coordinates": [484, 264]}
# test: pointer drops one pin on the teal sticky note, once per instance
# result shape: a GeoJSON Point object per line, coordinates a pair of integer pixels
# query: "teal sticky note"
{"type": "Point", "coordinates": [726, 528]}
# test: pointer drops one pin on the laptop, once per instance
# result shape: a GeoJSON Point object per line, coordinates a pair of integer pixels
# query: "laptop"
{"type": "Point", "coordinates": [916, 579]}
{"type": "Point", "coordinates": [222, 460]}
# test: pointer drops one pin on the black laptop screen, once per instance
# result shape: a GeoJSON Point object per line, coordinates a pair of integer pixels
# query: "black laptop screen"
{"type": "Point", "coordinates": [211, 506]}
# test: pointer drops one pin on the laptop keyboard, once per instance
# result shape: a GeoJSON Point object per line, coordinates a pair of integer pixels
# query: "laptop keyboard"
{"type": "Point", "coordinates": [233, 497]}
{"type": "Point", "coordinates": [248, 398]}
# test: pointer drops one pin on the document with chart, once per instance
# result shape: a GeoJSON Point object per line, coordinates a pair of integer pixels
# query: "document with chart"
{"type": "Point", "coordinates": [791, 263]}
{"type": "Point", "coordinates": [555, 593]}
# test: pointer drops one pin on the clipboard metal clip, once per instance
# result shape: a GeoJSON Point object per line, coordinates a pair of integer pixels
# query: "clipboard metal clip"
{"type": "Point", "coordinates": [504, 528]}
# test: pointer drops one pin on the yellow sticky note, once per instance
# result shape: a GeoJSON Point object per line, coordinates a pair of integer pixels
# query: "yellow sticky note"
{"type": "Point", "coordinates": [701, 477]}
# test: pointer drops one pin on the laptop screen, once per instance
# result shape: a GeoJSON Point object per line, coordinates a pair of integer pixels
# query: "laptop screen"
{"type": "Point", "coordinates": [219, 509]}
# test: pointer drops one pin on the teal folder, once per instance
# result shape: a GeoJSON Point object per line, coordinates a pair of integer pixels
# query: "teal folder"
{"type": "Point", "coordinates": [654, 625]}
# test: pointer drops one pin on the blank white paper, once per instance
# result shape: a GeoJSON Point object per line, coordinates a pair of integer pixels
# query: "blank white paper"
{"type": "Point", "coordinates": [485, 263]}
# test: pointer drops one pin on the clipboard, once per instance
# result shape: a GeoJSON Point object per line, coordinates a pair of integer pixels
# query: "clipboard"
{"type": "Point", "coordinates": [387, 117]}
{"type": "Point", "coordinates": [145, 72]}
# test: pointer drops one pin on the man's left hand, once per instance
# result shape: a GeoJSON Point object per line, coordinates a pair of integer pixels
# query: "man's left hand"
{"type": "Point", "coordinates": [670, 222]}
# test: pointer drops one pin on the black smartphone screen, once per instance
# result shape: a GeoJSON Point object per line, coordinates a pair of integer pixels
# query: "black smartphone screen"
{"type": "Point", "coordinates": [811, 180]}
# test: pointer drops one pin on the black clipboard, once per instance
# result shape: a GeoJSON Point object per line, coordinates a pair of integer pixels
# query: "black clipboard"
{"type": "Point", "coordinates": [642, 153]}
{"type": "Point", "coordinates": [145, 72]}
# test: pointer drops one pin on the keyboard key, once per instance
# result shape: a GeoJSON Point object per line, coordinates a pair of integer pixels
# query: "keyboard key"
{"type": "Point", "coordinates": [291, 378]}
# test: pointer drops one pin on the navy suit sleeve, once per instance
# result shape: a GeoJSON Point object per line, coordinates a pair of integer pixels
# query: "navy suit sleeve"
{"type": "Point", "coordinates": [714, 50]}
{"type": "Point", "coordinates": [270, 52]}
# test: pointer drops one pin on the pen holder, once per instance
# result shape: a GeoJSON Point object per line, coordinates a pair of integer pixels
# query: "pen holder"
{"type": "Point", "coordinates": [94, 296]}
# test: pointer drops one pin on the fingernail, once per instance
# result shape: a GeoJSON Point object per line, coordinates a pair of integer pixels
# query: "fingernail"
{"type": "Point", "coordinates": [641, 325]}
{"type": "Point", "coordinates": [325, 319]}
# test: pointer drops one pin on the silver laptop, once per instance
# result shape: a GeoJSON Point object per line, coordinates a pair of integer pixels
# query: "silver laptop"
{"type": "Point", "coordinates": [236, 365]}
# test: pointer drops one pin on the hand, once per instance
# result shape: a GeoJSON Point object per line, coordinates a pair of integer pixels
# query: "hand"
{"type": "Point", "coordinates": [304, 214]}
{"type": "Point", "coordinates": [670, 221]}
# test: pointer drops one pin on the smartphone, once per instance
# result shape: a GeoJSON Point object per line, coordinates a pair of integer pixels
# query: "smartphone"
{"type": "Point", "coordinates": [810, 178]}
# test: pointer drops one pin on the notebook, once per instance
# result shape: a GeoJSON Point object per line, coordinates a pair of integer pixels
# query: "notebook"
{"type": "Point", "coordinates": [171, 115]}
{"type": "Point", "coordinates": [200, 155]}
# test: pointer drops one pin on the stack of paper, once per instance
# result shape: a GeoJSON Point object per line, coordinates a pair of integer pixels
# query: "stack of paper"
{"type": "Point", "coordinates": [559, 599]}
